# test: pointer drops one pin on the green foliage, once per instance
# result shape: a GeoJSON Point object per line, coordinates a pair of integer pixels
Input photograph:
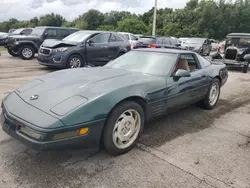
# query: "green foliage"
{"type": "Point", "coordinates": [132, 25]}
{"type": "Point", "coordinates": [205, 18]}
{"type": "Point", "coordinates": [106, 28]}
{"type": "Point", "coordinates": [51, 20]}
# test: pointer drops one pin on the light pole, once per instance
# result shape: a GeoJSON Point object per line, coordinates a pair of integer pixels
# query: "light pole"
{"type": "Point", "coordinates": [154, 19]}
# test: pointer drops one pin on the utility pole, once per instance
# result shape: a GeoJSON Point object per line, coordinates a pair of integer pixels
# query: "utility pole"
{"type": "Point", "coordinates": [154, 20]}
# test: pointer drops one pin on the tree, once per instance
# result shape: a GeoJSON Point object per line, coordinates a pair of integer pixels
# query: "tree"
{"type": "Point", "coordinates": [81, 25]}
{"type": "Point", "coordinates": [51, 20]}
{"type": "Point", "coordinates": [94, 18]}
{"type": "Point", "coordinates": [132, 25]}
{"type": "Point", "coordinates": [106, 28]}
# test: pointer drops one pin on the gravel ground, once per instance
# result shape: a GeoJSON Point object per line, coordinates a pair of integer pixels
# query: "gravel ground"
{"type": "Point", "coordinates": [190, 148]}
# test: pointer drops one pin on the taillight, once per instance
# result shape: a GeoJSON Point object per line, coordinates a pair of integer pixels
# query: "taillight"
{"type": "Point", "coordinates": [152, 46]}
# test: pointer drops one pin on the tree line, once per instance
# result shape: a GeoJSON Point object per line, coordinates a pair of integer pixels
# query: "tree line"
{"type": "Point", "coordinates": [204, 18]}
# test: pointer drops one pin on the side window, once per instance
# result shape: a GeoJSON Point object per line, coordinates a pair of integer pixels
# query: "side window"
{"type": "Point", "coordinates": [191, 61]}
{"type": "Point", "coordinates": [118, 38]}
{"type": "Point", "coordinates": [159, 41]}
{"type": "Point", "coordinates": [101, 38]}
{"type": "Point", "coordinates": [173, 41]}
{"type": "Point", "coordinates": [112, 38]}
{"type": "Point", "coordinates": [204, 62]}
{"type": "Point", "coordinates": [166, 41]}
{"type": "Point", "coordinates": [64, 33]}
{"type": "Point", "coordinates": [133, 37]}
{"type": "Point", "coordinates": [52, 33]}
{"type": "Point", "coordinates": [26, 31]}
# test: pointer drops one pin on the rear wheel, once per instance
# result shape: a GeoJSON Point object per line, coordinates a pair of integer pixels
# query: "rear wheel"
{"type": "Point", "coordinates": [213, 95]}
{"type": "Point", "coordinates": [123, 128]}
{"type": "Point", "coordinates": [13, 53]}
{"type": "Point", "coordinates": [26, 52]}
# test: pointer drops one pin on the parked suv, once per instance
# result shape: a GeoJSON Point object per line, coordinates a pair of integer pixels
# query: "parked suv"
{"type": "Point", "coordinates": [133, 40]}
{"type": "Point", "coordinates": [27, 46]}
{"type": "Point", "coordinates": [202, 46]}
{"type": "Point", "coordinates": [93, 48]}
{"type": "Point", "coordinates": [158, 42]}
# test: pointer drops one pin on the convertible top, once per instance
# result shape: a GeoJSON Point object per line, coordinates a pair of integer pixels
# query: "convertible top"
{"type": "Point", "coordinates": [164, 50]}
{"type": "Point", "coordinates": [239, 35]}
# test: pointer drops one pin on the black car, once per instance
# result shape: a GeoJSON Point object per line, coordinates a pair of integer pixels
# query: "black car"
{"type": "Point", "coordinates": [237, 51]}
{"type": "Point", "coordinates": [158, 42]}
{"type": "Point", "coordinates": [92, 48]}
{"type": "Point", "coordinates": [3, 38]}
{"type": "Point", "coordinates": [21, 31]}
{"type": "Point", "coordinates": [202, 46]}
{"type": "Point", "coordinates": [27, 46]}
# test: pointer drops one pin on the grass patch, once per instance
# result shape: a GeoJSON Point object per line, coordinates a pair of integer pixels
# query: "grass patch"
{"type": "Point", "coordinates": [2, 49]}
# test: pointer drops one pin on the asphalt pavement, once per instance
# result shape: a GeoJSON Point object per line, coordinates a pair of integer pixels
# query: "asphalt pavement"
{"type": "Point", "coordinates": [192, 148]}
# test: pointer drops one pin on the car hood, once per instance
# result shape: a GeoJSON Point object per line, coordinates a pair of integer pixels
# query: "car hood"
{"type": "Point", "coordinates": [86, 83]}
{"type": "Point", "coordinates": [23, 37]}
{"type": "Point", "coordinates": [50, 43]}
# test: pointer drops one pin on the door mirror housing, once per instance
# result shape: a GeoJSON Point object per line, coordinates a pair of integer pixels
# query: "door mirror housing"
{"type": "Point", "coordinates": [45, 35]}
{"type": "Point", "coordinates": [90, 42]}
{"type": "Point", "coordinates": [182, 73]}
{"type": "Point", "coordinates": [178, 44]}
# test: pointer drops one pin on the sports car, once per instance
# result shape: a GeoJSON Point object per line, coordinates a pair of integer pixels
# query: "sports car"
{"type": "Point", "coordinates": [108, 106]}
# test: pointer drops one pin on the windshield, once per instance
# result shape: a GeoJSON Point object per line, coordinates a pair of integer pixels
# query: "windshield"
{"type": "Point", "coordinates": [238, 41]}
{"type": "Point", "coordinates": [145, 62]}
{"type": "Point", "coordinates": [78, 37]}
{"type": "Point", "coordinates": [18, 31]}
{"type": "Point", "coordinates": [194, 41]}
{"type": "Point", "coordinates": [147, 40]}
{"type": "Point", "coordinates": [38, 31]}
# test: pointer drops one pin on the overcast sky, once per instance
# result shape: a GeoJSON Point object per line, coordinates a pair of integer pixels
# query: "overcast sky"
{"type": "Point", "coordinates": [70, 9]}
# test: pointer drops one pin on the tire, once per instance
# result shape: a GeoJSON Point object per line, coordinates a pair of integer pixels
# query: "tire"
{"type": "Point", "coordinates": [245, 68]}
{"type": "Point", "coordinates": [12, 53]}
{"type": "Point", "coordinates": [120, 54]}
{"type": "Point", "coordinates": [206, 103]}
{"type": "Point", "coordinates": [75, 61]}
{"type": "Point", "coordinates": [26, 52]}
{"type": "Point", "coordinates": [110, 141]}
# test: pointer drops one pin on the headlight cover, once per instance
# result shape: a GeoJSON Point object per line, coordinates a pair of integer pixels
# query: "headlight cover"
{"type": "Point", "coordinates": [68, 105]}
{"type": "Point", "coordinates": [61, 49]}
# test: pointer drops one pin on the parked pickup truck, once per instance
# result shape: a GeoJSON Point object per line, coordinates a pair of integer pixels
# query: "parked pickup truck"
{"type": "Point", "coordinates": [27, 46]}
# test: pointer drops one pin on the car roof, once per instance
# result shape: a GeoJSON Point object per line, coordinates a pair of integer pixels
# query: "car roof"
{"type": "Point", "coordinates": [164, 50]}
{"type": "Point", "coordinates": [96, 31]}
{"type": "Point", "coordinates": [238, 35]}
{"type": "Point", "coordinates": [44, 27]}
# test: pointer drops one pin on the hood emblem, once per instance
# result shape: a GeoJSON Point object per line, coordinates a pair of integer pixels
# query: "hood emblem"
{"type": "Point", "coordinates": [34, 97]}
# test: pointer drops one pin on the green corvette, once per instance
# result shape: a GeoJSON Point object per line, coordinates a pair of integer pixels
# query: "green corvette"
{"type": "Point", "coordinates": [89, 107]}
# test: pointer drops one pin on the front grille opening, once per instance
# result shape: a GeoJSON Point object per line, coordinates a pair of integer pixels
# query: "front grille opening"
{"type": "Point", "coordinates": [231, 54]}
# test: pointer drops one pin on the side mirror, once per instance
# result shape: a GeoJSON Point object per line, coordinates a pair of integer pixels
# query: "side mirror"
{"type": "Point", "coordinates": [178, 44]}
{"type": "Point", "coordinates": [45, 35]}
{"type": "Point", "coordinates": [90, 42]}
{"type": "Point", "coordinates": [182, 73]}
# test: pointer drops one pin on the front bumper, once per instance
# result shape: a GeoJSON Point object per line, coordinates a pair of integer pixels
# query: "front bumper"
{"type": "Point", "coordinates": [11, 124]}
{"type": "Point", "coordinates": [53, 60]}
{"type": "Point", "coordinates": [234, 63]}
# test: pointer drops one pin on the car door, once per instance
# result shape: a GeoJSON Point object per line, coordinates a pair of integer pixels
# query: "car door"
{"type": "Point", "coordinates": [97, 50]}
{"type": "Point", "coordinates": [205, 47]}
{"type": "Point", "coordinates": [115, 45]}
{"type": "Point", "coordinates": [187, 90]}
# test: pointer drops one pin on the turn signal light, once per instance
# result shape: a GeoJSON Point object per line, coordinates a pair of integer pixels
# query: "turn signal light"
{"type": "Point", "coordinates": [83, 131]}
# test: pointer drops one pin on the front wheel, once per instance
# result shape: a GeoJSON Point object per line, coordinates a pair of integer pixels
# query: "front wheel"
{"type": "Point", "coordinates": [13, 53]}
{"type": "Point", "coordinates": [245, 68]}
{"type": "Point", "coordinates": [123, 128]}
{"type": "Point", "coordinates": [75, 61]}
{"type": "Point", "coordinates": [26, 52]}
{"type": "Point", "coordinates": [213, 95]}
